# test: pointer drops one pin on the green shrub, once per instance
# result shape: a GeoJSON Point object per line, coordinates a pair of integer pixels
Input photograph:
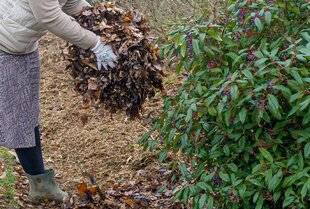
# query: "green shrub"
{"type": "Point", "coordinates": [242, 117]}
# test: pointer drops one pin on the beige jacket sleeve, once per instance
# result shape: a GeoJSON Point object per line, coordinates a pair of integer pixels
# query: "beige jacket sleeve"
{"type": "Point", "coordinates": [73, 7]}
{"type": "Point", "coordinates": [49, 14]}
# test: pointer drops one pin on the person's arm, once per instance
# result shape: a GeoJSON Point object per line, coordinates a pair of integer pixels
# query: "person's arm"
{"type": "Point", "coordinates": [74, 7]}
{"type": "Point", "coordinates": [49, 14]}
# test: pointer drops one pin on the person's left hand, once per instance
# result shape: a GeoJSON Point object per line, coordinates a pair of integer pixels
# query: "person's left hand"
{"type": "Point", "coordinates": [105, 56]}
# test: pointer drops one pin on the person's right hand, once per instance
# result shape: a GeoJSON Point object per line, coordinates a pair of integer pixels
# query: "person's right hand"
{"type": "Point", "coordinates": [105, 56]}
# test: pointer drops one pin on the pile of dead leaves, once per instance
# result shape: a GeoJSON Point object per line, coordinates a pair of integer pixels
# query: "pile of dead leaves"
{"type": "Point", "coordinates": [138, 74]}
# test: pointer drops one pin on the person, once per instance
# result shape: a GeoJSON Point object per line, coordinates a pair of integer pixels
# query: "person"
{"type": "Point", "coordinates": [22, 24]}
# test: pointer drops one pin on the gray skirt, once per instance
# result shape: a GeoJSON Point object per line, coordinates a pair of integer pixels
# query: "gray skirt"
{"type": "Point", "coordinates": [19, 99]}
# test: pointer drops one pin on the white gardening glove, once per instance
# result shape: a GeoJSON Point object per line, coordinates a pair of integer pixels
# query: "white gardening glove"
{"type": "Point", "coordinates": [105, 56]}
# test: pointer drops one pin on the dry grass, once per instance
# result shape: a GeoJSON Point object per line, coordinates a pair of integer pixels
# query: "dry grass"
{"type": "Point", "coordinates": [162, 13]}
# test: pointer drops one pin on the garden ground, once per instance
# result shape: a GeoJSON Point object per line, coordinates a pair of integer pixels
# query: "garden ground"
{"type": "Point", "coordinates": [78, 142]}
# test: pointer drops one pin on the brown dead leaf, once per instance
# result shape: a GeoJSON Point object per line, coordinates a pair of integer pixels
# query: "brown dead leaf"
{"type": "Point", "coordinates": [130, 202]}
{"type": "Point", "coordinates": [103, 25]}
{"type": "Point", "coordinates": [92, 84]}
{"type": "Point", "coordinates": [82, 188]}
{"type": "Point", "coordinates": [110, 5]}
{"type": "Point", "coordinates": [93, 190]}
{"type": "Point", "coordinates": [128, 17]}
{"type": "Point", "coordinates": [84, 118]}
{"type": "Point", "coordinates": [91, 65]}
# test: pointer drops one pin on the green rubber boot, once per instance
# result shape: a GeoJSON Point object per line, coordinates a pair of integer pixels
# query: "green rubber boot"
{"type": "Point", "coordinates": [44, 187]}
